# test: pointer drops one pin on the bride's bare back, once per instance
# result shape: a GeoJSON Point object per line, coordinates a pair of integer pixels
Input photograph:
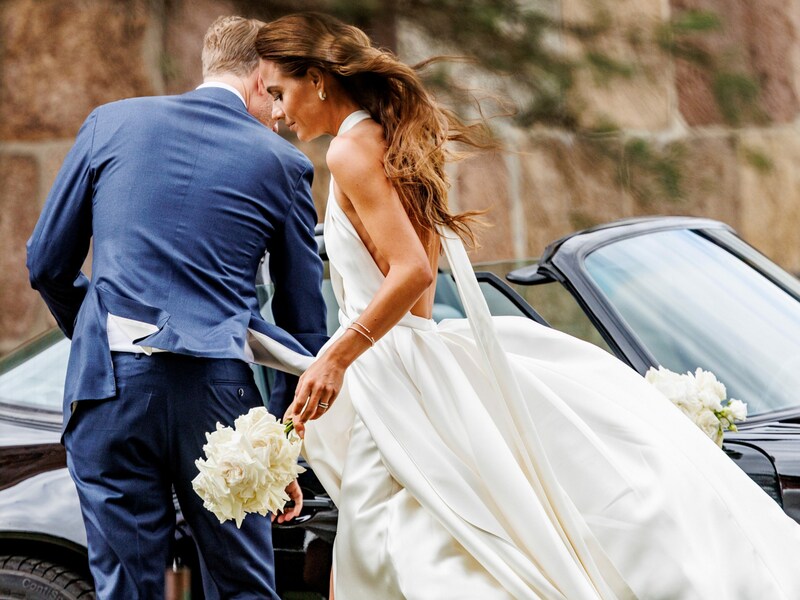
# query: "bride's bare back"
{"type": "Point", "coordinates": [386, 219]}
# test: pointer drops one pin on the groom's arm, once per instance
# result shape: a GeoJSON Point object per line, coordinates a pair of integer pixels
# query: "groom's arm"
{"type": "Point", "coordinates": [60, 241]}
{"type": "Point", "coordinates": [296, 272]}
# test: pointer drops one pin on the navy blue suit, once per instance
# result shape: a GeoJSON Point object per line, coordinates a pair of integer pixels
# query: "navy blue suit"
{"type": "Point", "coordinates": [180, 196]}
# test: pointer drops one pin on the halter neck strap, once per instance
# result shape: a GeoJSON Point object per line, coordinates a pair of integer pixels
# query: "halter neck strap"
{"type": "Point", "coordinates": [352, 120]}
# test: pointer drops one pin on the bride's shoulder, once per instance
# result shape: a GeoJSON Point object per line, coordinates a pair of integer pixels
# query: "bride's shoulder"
{"type": "Point", "coordinates": [356, 151]}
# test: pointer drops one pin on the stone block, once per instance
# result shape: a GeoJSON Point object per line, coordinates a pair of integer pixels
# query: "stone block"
{"type": "Point", "coordinates": [569, 184]}
{"type": "Point", "coordinates": [481, 183]}
{"type": "Point", "coordinates": [770, 193]}
{"type": "Point", "coordinates": [696, 175]}
{"type": "Point", "coordinates": [23, 314]}
{"type": "Point", "coordinates": [547, 193]}
{"type": "Point", "coordinates": [773, 28]}
{"type": "Point", "coordinates": [186, 24]}
{"type": "Point", "coordinates": [61, 58]}
{"type": "Point", "coordinates": [50, 157]}
{"type": "Point", "coordinates": [755, 40]}
{"type": "Point", "coordinates": [623, 78]}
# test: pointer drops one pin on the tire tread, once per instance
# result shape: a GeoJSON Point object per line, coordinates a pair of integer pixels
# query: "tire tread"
{"type": "Point", "coordinates": [61, 577]}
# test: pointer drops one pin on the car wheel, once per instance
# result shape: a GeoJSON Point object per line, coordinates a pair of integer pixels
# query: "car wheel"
{"type": "Point", "coordinates": [28, 578]}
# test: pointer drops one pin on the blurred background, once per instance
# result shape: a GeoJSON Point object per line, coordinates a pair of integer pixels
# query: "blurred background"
{"type": "Point", "coordinates": [606, 108]}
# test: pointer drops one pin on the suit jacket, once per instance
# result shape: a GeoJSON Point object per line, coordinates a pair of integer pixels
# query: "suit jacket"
{"type": "Point", "coordinates": [180, 196]}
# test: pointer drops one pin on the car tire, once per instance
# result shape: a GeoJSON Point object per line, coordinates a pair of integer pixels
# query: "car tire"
{"type": "Point", "coordinates": [28, 578]}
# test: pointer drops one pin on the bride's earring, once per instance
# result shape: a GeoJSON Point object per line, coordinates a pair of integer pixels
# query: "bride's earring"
{"type": "Point", "coordinates": [322, 95]}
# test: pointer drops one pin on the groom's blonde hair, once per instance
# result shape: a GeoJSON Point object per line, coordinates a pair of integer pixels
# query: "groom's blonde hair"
{"type": "Point", "coordinates": [229, 46]}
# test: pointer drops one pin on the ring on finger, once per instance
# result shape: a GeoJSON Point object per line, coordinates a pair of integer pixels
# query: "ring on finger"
{"type": "Point", "coordinates": [324, 405]}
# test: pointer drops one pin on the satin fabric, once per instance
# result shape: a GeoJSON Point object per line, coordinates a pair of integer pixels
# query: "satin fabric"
{"type": "Point", "coordinates": [497, 458]}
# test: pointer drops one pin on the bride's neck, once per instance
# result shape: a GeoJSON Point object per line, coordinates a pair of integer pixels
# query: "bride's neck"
{"type": "Point", "coordinates": [339, 113]}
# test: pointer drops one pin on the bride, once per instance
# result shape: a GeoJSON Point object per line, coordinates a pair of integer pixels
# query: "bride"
{"type": "Point", "coordinates": [484, 457]}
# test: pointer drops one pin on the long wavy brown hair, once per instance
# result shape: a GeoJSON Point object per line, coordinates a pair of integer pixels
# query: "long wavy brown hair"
{"type": "Point", "coordinates": [415, 127]}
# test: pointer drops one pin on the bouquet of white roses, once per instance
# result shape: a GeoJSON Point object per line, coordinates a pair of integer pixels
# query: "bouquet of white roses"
{"type": "Point", "coordinates": [248, 467]}
{"type": "Point", "coordinates": [700, 397]}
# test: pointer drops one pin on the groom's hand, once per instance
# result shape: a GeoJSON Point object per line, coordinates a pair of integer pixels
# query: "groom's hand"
{"type": "Point", "coordinates": [296, 496]}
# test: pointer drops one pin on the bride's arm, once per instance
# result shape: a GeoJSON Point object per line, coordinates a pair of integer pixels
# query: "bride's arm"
{"type": "Point", "coordinates": [356, 166]}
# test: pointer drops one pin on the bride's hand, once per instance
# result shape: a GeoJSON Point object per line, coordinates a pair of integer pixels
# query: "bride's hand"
{"type": "Point", "coordinates": [296, 496]}
{"type": "Point", "coordinates": [315, 393]}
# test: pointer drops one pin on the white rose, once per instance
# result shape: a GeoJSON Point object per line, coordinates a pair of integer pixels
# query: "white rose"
{"type": "Point", "coordinates": [247, 468]}
{"type": "Point", "coordinates": [709, 390]}
{"type": "Point", "coordinates": [668, 382]}
{"type": "Point", "coordinates": [220, 438]}
{"type": "Point", "coordinates": [678, 388]}
{"type": "Point", "coordinates": [699, 396]}
{"type": "Point", "coordinates": [710, 425]}
{"type": "Point", "coordinates": [737, 410]}
{"type": "Point", "coordinates": [230, 475]}
{"type": "Point", "coordinates": [270, 444]}
{"type": "Point", "coordinates": [690, 405]}
{"type": "Point", "coordinates": [211, 487]}
{"type": "Point", "coordinates": [258, 424]}
{"type": "Point", "coordinates": [691, 411]}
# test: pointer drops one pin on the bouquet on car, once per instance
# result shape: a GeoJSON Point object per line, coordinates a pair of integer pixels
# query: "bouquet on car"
{"type": "Point", "coordinates": [248, 466]}
{"type": "Point", "coordinates": [702, 398]}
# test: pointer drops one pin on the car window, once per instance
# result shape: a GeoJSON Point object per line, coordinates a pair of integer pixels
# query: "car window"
{"type": "Point", "coordinates": [446, 301]}
{"type": "Point", "coordinates": [562, 311]}
{"type": "Point", "coordinates": [694, 304]}
{"type": "Point", "coordinates": [499, 304]}
{"type": "Point", "coordinates": [33, 376]}
{"type": "Point", "coordinates": [554, 303]}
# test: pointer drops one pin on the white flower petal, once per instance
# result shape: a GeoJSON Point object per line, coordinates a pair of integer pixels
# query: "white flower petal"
{"type": "Point", "coordinates": [248, 467]}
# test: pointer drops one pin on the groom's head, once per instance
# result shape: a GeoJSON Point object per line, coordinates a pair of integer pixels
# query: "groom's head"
{"type": "Point", "coordinates": [229, 47]}
{"type": "Point", "coordinates": [229, 55]}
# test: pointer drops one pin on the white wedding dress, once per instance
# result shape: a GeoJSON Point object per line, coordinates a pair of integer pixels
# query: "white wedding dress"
{"type": "Point", "coordinates": [486, 458]}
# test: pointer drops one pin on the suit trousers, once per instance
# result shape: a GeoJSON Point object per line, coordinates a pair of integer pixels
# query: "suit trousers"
{"type": "Point", "coordinates": [127, 453]}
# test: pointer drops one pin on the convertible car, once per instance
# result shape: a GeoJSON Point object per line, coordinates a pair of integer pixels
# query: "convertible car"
{"type": "Point", "coordinates": [685, 293]}
{"type": "Point", "coordinates": [679, 292]}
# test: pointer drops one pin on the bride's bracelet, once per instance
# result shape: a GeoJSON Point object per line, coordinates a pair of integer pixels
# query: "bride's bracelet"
{"type": "Point", "coordinates": [364, 327]}
{"type": "Point", "coordinates": [370, 339]}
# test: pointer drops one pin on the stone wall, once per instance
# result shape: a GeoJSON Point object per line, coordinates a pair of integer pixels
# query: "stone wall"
{"type": "Point", "coordinates": [675, 149]}
{"type": "Point", "coordinates": [58, 60]}
{"type": "Point", "coordinates": [741, 168]}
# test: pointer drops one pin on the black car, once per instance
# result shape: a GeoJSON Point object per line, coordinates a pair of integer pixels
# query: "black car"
{"type": "Point", "coordinates": [685, 293]}
{"type": "Point", "coordinates": [678, 292]}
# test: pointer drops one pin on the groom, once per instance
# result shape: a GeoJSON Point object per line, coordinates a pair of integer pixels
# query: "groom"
{"type": "Point", "coordinates": [181, 197]}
